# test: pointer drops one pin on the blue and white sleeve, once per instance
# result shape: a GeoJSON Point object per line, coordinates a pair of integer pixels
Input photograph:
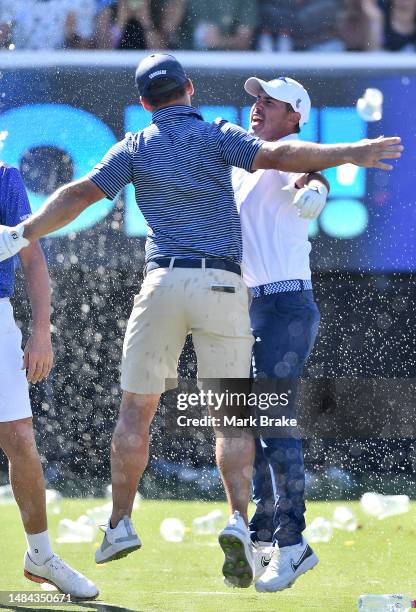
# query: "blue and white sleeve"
{"type": "Point", "coordinates": [238, 148]}
{"type": "Point", "coordinates": [115, 170]}
{"type": "Point", "coordinates": [17, 203]}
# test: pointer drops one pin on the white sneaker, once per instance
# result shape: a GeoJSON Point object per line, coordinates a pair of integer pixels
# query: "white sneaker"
{"type": "Point", "coordinates": [262, 552]}
{"type": "Point", "coordinates": [118, 542]}
{"type": "Point", "coordinates": [287, 564]}
{"type": "Point", "coordinates": [62, 576]}
{"type": "Point", "coordinates": [234, 539]}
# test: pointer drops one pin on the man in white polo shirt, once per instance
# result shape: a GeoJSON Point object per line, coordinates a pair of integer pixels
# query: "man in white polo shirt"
{"type": "Point", "coordinates": [275, 209]}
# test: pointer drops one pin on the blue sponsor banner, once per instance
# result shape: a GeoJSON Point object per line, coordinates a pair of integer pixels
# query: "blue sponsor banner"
{"type": "Point", "coordinates": [369, 223]}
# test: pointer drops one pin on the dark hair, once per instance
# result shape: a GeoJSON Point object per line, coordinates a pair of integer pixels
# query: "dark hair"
{"type": "Point", "coordinates": [290, 109]}
{"type": "Point", "coordinates": [157, 97]}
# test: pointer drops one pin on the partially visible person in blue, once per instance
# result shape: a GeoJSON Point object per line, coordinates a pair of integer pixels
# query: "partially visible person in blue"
{"type": "Point", "coordinates": [16, 369]}
{"type": "Point", "coordinates": [275, 210]}
{"type": "Point", "coordinates": [180, 166]}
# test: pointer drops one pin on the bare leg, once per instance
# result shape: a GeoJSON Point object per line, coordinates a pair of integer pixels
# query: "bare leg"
{"type": "Point", "coordinates": [235, 458]}
{"type": "Point", "coordinates": [26, 475]}
{"type": "Point", "coordinates": [130, 450]}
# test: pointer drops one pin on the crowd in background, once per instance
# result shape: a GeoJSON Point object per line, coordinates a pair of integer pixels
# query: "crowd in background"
{"type": "Point", "coordinates": [264, 25]}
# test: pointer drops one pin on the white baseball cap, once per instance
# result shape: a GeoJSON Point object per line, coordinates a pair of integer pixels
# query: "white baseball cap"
{"type": "Point", "coordinates": [284, 89]}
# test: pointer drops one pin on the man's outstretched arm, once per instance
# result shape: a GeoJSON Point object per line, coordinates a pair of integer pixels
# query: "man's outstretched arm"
{"type": "Point", "coordinates": [298, 156]}
{"type": "Point", "coordinates": [62, 207]}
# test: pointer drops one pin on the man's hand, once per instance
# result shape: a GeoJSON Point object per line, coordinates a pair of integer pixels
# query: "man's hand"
{"type": "Point", "coordinates": [11, 241]}
{"type": "Point", "coordinates": [310, 200]}
{"type": "Point", "coordinates": [38, 356]}
{"type": "Point", "coordinates": [368, 153]}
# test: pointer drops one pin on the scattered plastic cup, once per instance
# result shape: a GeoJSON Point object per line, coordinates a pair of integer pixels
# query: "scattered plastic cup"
{"type": "Point", "coordinates": [172, 530]}
{"type": "Point", "coordinates": [53, 500]}
{"type": "Point", "coordinates": [99, 515]}
{"type": "Point", "coordinates": [370, 106]}
{"type": "Point", "coordinates": [344, 519]}
{"type": "Point", "coordinates": [320, 530]}
{"type": "Point", "coordinates": [109, 495]}
{"type": "Point", "coordinates": [383, 506]}
{"type": "Point", "coordinates": [210, 524]}
{"type": "Point", "coordinates": [46, 586]}
{"type": "Point", "coordinates": [75, 532]}
{"type": "Point", "coordinates": [385, 603]}
{"type": "Point", "coordinates": [6, 494]}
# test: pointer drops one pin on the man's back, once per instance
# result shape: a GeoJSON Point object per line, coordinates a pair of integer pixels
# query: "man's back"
{"type": "Point", "coordinates": [180, 167]}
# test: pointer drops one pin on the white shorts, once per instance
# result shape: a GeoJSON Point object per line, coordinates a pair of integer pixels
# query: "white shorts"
{"type": "Point", "coordinates": [14, 389]}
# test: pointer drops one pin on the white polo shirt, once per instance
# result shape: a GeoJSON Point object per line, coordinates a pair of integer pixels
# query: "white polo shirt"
{"type": "Point", "coordinates": [275, 239]}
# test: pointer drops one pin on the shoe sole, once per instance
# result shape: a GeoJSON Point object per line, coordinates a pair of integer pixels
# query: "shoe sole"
{"type": "Point", "coordinates": [236, 569]}
{"type": "Point", "coordinates": [41, 580]}
{"type": "Point", "coordinates": [120, 554]}
{"type": "Point", "coordinates": [290, 584]}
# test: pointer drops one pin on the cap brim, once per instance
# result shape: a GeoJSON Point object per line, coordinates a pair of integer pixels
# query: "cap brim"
{"type": "Point", "coordinates": [253, 86]}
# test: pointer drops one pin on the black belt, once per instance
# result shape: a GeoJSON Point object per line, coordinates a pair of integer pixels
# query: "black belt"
{"type": "Point", "coordinates": [174, 262]}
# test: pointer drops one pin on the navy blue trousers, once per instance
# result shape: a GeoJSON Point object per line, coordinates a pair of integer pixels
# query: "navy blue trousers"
{"type": "Point", "coordinates": [285, 326]}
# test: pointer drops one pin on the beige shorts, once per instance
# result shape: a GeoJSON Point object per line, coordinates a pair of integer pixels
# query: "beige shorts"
{"type": "Point", "coordinates": [177, 302]}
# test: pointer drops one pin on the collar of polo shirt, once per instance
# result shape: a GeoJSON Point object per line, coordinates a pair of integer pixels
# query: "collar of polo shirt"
{"type": "Point", "coordinates": [168, 112]}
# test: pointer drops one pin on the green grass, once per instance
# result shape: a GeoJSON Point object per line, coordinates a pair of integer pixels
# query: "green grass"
{"type": "Point", "coordinates": [379, 557]}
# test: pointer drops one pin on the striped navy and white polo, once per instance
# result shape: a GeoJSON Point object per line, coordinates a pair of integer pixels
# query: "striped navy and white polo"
{"type": "Point", "coordinates": [180, 167]}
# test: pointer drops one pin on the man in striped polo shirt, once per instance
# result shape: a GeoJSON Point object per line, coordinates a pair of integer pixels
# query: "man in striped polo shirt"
{"type": "Point", "coordinates": [181, 167]}
{"type": "Point", "coordinates": [275, 209]}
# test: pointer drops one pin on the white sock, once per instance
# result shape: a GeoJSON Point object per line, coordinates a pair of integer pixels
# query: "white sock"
{"type": "Point", "coordinates": [39, 547]}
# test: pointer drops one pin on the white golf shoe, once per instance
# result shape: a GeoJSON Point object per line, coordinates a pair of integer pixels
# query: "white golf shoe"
{"type": "Point", "coordinates": [234, 539]}
{"type": "Point", "coordinates": [262, 553]}
{"type": "Point", "coordinates": [286, 565]}
{"type": "Point", "coordinates": [62, 576]}
{"type": "Point", "coordinates": [118, 542]}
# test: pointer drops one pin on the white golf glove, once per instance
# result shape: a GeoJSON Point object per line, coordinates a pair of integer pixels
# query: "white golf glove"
{"type": "Point", "coordinates": [310, 200]}
{"type": "Point", "coordinates": [11, 240]}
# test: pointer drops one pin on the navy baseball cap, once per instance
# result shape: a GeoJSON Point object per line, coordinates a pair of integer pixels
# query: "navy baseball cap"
{"type": "Point", "coordinates": [159, 67]}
